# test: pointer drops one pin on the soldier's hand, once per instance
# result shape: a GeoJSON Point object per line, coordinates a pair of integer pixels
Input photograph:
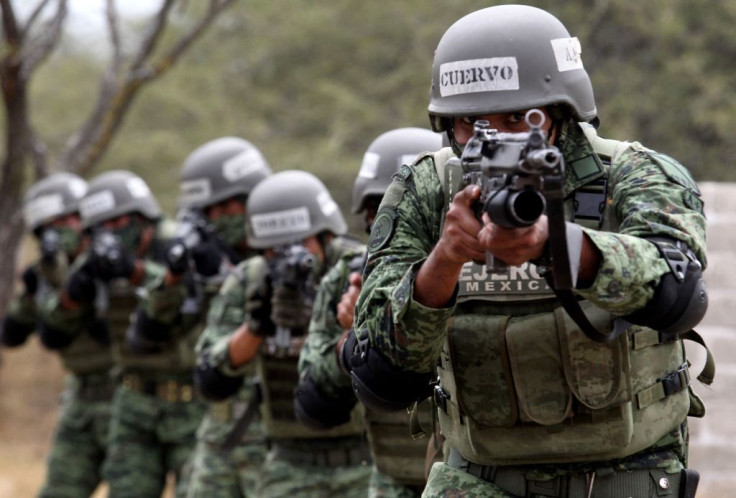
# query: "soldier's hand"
{"type": "Point", "coordinates": [258, 312]}
{"type": "Point", "coordinates": [288, 309]}
{"type": "Point", "coordinates": [459, 241]}
{"type": "Point", "coordinates": [346, 306]}
{"type": "Point", "coordinates": [30, 281]}
{"type": "Point", "coordinates": [207, 259]}
{"type": "Point", "coordinates": [514, 246]}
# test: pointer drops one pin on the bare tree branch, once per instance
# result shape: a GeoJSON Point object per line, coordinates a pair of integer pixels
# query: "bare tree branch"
{"type": "Point", "coordinates": [11, 30]}
{"type": "Point", "coordinates": [35, 14]}
{"type": "Point", "coordinates": [111, 16]}
{"type": "Point", "coordinates": [160, 66]}
{"type": "Point", "coordinates": [41, 47]}
{"type": "Point", "coordinates": [83, 150]}
{"type": "Point", "coordinates": [153, 35]}
{"type": "Point", "coordinates": [38, 152]}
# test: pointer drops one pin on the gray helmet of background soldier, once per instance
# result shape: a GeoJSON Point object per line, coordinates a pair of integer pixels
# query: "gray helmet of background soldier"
{"type": "Point", "coordinates": [51, 211]}
{"type": "Point", "coordinates": [290, 206]}
{"type": "Point", "coordinates": [218, 171]}
{"type": "Point", "coordinates": [508, 58]}
{"type": "Point", "coordinates": [116, 194]}
{"type": "Point", "coordinates": [382, 159]}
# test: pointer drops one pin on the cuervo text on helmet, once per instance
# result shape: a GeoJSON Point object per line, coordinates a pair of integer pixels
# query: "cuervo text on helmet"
{"type": "Point", "coordinates": [478, 75]}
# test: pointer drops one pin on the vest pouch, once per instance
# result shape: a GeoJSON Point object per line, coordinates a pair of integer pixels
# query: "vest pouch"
{"type": "Point", "coordinates": [279, 378]}
{"type": "Point", "coordinates": [479, 362]}
{"type": "Point", "coordinates": [539, 377]}
{"type": "Point", "coordinates": [598, 374]}
{"type": "Point", "coordinates": [395, 453]}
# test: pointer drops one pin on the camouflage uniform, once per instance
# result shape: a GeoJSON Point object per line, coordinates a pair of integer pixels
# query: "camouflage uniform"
{"type": "Point", "coordinates": [213, 470]}
{"type": "Point", "coordinates": [398, 460]}
{"type": "Point", "coordinates": [301, 462]}
{"type": "Point", "coordinates": [80, 440]}
{"type": "Point", "coordinates": [502, 331]}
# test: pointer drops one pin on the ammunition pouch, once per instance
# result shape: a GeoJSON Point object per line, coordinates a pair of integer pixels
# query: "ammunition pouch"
{"type": "Point", "coordinates": [169, 389]}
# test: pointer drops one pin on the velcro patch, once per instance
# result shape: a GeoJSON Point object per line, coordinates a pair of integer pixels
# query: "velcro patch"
{"type": "Point", "coordinates": [675, 171]}
{"type": "Point", "coordinates": [382, 229]}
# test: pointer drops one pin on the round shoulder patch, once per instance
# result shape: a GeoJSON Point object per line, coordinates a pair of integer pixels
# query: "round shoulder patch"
{"type": "Point", "coordinates": [382, 229]}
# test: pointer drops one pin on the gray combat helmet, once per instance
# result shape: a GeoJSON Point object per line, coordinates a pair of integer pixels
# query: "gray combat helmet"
{"type": "Point", "coordinates": [116, 193]}
{"type": "Point", "coordinates": [290, 206]}
{"type": "Point", "coordinates": [220, 169]}
{"type": "Point", "coordinates": [52, 197]}
{"type": "Point", "coordinates": [508, 58]}
{"type": "Point", "coordinates": [383, 158]}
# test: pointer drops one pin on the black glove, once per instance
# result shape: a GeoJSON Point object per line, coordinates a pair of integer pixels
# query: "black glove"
{"type": "Point", "coordinates": [30, 280]}
{"type": "Point", "coordinates": [110, 266]}
{"type": "Point", "coordinates": [258, 312]}
{"type": "Point", "coordinates": [81, 284]}
{"type": "Point", "coordinates": [207, 259]}
{"type": "Point", "coordinates": [288, 308]}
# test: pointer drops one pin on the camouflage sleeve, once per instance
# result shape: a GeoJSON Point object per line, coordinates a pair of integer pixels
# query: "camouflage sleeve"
{"type": "Point", "coordinates": [405, 230]}
{"type": "Point", "coordinates": [317, 358]}
{"type": "Point", "coordinates": [226, 314]}
{"type": "Point", "coordinates": [651, 195]}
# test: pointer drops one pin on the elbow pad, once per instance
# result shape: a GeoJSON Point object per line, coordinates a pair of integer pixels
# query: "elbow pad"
{"type": "Point", "coordinates": [214, 385]}
{"type": "Point", "coordinates": [54, 338]}
{"type": "Point", "coordinates": [377, 383]}
{"type": "Point", "coordinates": [315, 410]}
{"type": "Point", "coordinates": [14, 333]}
{"type": "Point", "coordinates": [680, 299]}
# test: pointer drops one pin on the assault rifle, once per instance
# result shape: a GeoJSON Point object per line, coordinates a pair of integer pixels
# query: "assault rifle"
{"type": "Point", "coordinates": [191, 231]}
{"type": "Point", "coordinates": [49, 245]}
{"type": "Point", "coordinates": [516, 172]}
{"type": "Point", "coordinates": [292, 268]}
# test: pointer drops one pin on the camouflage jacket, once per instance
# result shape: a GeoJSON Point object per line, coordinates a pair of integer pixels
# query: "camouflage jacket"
{"type": "Point", "coordinates": [648, 194]}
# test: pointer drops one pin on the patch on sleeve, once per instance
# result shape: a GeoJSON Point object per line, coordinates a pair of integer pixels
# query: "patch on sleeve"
{"type": "Point", "coordinates": [394, 194]}
{"type": "Point", "coordinates": [675, 171]}
{"type": "Point", "coordinates": [383, 229]}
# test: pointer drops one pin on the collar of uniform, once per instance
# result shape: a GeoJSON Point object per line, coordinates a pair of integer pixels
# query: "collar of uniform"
{"type": "Point", "coordinates": [582, 164]}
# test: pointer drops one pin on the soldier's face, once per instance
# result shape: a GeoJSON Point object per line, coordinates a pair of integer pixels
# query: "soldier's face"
{"type": "Point", "coordinates": [507, 122]}
{"type": "Point", "coordinates": [70, 220]}
{"type": "Point", "coordinates": [228, 207]}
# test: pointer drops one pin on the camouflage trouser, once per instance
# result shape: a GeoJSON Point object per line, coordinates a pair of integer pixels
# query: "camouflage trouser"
{"type": "Point", "coordinates": [217, 473]}
{"type": "Point", "coordinates": [78, 449]}
{"type": "Point", "coordinates": [149, 437]}
{"type": "Point", "coordinates": [383, 486]}
{"type": "Point", "coordinates": [286, 479]}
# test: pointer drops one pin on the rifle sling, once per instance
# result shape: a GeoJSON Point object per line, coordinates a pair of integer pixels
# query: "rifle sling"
{"type": "Point", "coordinates": [235, 436]}
{"type": "Point", "coordinates": [561, 273]}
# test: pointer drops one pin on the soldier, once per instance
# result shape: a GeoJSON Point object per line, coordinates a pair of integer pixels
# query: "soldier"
{"type": "Point", "coordinates": [51, 212]}
{"type": "Point", "coordinates": [532, 401]}
{"type": "Point", "coordinates": [155, 390]}
{"type": "Point", "coordinates": [324, 397]}
{"type": "Point", "coordinates": [261, 315]}
{"type": "Point", "coordinates": [215, 181]}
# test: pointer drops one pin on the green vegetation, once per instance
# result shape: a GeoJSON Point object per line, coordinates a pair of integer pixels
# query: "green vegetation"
{"type": "Point", "coordinates": [312, 83]}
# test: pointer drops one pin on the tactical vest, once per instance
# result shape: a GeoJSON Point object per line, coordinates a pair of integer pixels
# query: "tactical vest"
{"type": "Point", "coordinates": [86, 354]}
{"type": "Point", "coordinates": [279, 377]}
{"type": "Point", "coordinates": [520, 383]}
{"type": "Point", "coordinates": [396, 452]}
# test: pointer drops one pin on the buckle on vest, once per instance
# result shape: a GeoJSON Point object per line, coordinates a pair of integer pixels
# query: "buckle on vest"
{"type": "Point", "coordinates": [676, 381]}
{"type": "Point", "coordinates": [440, 398]}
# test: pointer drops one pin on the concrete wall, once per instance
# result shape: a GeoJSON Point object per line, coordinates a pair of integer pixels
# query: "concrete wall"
{"type": "Point", "coordinates": [713, 438]}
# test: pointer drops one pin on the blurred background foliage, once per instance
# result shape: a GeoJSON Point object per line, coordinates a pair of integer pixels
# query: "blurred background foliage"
{"type": "Point", "coordinates": [313, 83]}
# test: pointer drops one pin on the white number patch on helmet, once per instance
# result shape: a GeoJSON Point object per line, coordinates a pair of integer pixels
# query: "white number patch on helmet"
{"type": "Point", "coordinates": [242, 165]}
{"type": "Point", "coordinates": [281, 222]}
{"type": "Point", "coordinates": [567, 53]}
{"type": "Point", "coordinates": [43, 208]}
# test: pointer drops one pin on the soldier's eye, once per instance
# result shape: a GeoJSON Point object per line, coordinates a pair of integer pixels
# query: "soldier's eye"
{"type": "Point", "coordinates": [468, 120]}
{"type": "Point", "coordinates": [517, 117]}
